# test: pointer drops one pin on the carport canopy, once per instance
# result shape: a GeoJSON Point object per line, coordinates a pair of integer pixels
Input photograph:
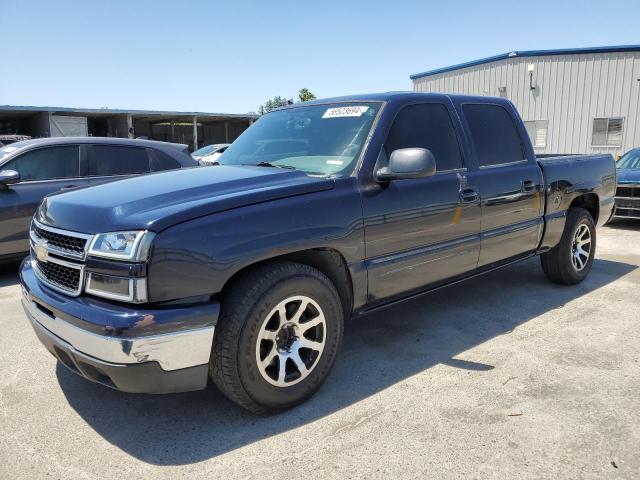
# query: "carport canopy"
{"type": "Point", "coordinates": [194, 128]}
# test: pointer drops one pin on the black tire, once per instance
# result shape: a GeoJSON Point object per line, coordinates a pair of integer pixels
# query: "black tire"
{"type": "Point", "coordinates": [233, 366]}
{"type": "Point", "coordinates": [557, 263]}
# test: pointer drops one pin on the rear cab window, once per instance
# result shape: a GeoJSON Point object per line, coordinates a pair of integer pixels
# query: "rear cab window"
{"type": "Point", "coordinates": [429, 126]}
{"type": "Point", "coordinates": [495, 136]}
{"type": "Point", "coordinates": [105, 160]}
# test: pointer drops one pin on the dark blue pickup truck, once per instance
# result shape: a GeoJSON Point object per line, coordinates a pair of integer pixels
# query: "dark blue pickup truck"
{"type": "Point", "coordinates": [244, 272]}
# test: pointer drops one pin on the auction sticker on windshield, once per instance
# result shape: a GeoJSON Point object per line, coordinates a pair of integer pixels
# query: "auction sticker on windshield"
{"type": "Point", "coordinates": [354, 111]}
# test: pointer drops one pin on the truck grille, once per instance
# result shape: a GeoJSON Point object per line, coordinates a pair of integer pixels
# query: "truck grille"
{"type": "Point", "coordinates": [66, 243]}
{"type": "Point", "coordinates": [64, 277]}
{"type": "Point", "coordinates": [630, 191]}
{"type": "Point", "coordinates": [57, 255]}
{"type": "Point", "coordinates": [627, 212]}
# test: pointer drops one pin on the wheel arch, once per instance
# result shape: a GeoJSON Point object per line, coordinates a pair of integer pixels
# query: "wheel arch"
{"type": "Point", "coordinates": [327, 260]}
{"type": "Point", "coordinates": [590, 202]}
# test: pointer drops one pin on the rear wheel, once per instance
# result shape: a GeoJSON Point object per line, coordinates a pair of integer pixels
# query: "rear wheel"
{"type": "Point", "coordinates": [571, 260]}
{"type": "Point", "coordinates": [277, 338]}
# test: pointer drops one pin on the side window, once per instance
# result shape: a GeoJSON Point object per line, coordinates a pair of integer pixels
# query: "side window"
{"type": "Point", "coordinates": [426, 126]}
{"type": "Point", "coordinates": [494, 134]}
{"type": "Point", "coordinates": [47, 163]}
{"type": "Point", "coordinates": [116, 160]}
{"type": "Point", "coordinates": [160, 161]}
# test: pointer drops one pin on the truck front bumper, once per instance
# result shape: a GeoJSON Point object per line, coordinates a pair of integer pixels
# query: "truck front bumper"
{"type": "Point", "coordinates": [154, 351]}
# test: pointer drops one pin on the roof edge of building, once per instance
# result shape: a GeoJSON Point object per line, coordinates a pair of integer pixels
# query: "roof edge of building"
{"type": "Point", "coordinates": [120, 111]}
{"type": "Point", "coordinates": [528, 53]}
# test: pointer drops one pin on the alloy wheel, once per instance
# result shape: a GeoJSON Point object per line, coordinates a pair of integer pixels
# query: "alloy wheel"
{"type": "Point", "coordinates": [581, 247]}
{"type": "Point", "coordinates": [291, 341]}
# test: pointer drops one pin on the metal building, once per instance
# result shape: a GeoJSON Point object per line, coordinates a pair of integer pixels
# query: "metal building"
{"type": "Point", "coordinates": [582, 100]}
{"type": "Point", "coordinates": [193, 128]}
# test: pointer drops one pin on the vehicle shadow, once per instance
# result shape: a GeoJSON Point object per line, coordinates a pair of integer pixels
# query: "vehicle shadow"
{"type": "Point", "coordinates": [625, 224]}
{"type": "Point", "coordinates": [379, 350]}
{"type": "Point", "coordinates": [9, 273]}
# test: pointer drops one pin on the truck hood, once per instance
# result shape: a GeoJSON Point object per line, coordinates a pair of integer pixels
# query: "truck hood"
{"type": "Point", "coordinates": [628, 175]}
{"type": "Point", "coordinates": [157, 201]}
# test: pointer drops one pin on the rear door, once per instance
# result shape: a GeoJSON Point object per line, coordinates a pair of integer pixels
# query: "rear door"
{"type": "Point", "coordinates": [42, 171]}
{"type": "Point", "coordinates": [422, 231]}
{"type": "Point", "coordinates": [510, 183]}
{"type": "Point", "coordinates": [112, 162]}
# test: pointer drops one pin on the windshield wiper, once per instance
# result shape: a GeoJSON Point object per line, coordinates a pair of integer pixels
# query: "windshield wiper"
{"type": "Point", "coordinates": [267, 164]}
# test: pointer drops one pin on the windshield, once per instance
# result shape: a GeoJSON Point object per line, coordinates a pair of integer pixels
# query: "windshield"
{"type": "Point", "coordinates": [317, 139]}
{"type": "Point", "coordinates": [6, 151]}
{"type": "Point", "coordinates": [630, 159]}
{"type": "Point", "coordinates": [209, 149]}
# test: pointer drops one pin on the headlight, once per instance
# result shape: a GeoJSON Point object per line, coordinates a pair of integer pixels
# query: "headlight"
{"type": "Point", "coordinates": [122, 245]}
{"type": "Point", "coordinates": [117, 288]}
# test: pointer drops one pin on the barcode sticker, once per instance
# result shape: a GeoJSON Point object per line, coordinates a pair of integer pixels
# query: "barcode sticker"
{"type": "Point", "coordinates": [337, 112]}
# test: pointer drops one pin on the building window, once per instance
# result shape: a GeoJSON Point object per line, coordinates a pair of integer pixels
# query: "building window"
{"type": "Point", "coordinates": [537, 130]}
{"type": "Point", "coordinates": [607, 132]}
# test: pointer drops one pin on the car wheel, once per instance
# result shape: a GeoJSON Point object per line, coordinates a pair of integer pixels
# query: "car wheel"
{"type": "Point", "coordinates": [570, 261]}
{"type": "Point", "coordinates": [277, 337]}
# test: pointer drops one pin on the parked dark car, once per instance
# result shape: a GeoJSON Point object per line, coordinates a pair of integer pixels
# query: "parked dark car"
{"type": "Point", "coordinates": [245, 272]}
{"type": "Point", "coordinates": [31, 169]}
{"type": "Point", "coordinates": [628, 191]}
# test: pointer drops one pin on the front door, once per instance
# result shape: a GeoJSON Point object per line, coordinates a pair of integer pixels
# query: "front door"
{"type": "Point", "coordinates": [42, 171]}
{"type": "Point", "coordinates": [422, 231]}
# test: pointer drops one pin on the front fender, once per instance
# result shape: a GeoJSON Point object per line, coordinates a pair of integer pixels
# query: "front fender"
{"type": "Point", "coordinates": [198, 257]}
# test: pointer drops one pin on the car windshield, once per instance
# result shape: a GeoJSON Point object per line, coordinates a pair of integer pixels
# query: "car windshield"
{"type": "Point", "coordinates": [7, 150]}
{"type": "Point", "coordinates": [630, 159]}
{"type": "Point", "coordinates": [208, 150]}
{"type": "Point", "coordinates": [317, 139]}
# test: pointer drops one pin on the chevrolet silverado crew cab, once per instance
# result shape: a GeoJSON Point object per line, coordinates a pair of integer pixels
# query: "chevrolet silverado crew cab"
{"type": "Point", "coordinates": [244, 272]}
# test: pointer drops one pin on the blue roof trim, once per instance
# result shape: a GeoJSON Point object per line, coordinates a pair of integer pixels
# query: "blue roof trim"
{"type": "Point", "coordinates": [529, 53]}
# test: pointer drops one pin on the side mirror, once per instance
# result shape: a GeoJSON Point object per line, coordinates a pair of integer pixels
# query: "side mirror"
{"type": "Point", "coordinates": [407, 163]}
{"type": "Point", "coordinates": [8, 177]}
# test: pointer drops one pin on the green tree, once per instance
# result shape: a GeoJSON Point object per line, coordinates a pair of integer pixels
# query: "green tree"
{"type": "Point", "coordinates": [273, 103]}
{"type": "Point", "coordinates": [304, 95]}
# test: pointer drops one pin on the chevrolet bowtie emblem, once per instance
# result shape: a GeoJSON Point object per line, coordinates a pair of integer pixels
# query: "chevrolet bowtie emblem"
{"type": "Point", "coordinates": [42, 253]}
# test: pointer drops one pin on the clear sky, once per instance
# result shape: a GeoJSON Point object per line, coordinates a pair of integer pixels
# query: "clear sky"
{"type": "Point", "coordinates": [231, 56]}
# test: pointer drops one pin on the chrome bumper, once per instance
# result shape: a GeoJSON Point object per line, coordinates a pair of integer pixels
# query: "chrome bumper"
{"type": "Point", "coordinates": [172, 351]}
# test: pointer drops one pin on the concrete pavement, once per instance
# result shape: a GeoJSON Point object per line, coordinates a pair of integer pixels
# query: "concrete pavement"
{"type": "Point", "coordinates": [503, 376]}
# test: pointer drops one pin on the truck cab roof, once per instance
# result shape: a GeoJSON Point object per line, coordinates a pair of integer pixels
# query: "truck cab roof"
{"type": "Point", "coordinates": [402, 96]}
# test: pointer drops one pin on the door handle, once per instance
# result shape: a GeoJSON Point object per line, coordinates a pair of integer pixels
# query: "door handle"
{"type": "Point", "coordinates": [68, 187]}
{"type": "Point", "coordinates": [528, 185]}
{"type": "Point", "coordinates": [469, 195]}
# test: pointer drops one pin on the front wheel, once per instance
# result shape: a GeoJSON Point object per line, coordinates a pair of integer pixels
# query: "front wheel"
{"type": "Point", "coordinates": [277, 338]}
{"type": "Point", "coordinates": [570, 261]}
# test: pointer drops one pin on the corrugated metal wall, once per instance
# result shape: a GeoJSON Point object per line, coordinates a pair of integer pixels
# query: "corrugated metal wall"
{"type": "Point", "coordinates": [571, 90]}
